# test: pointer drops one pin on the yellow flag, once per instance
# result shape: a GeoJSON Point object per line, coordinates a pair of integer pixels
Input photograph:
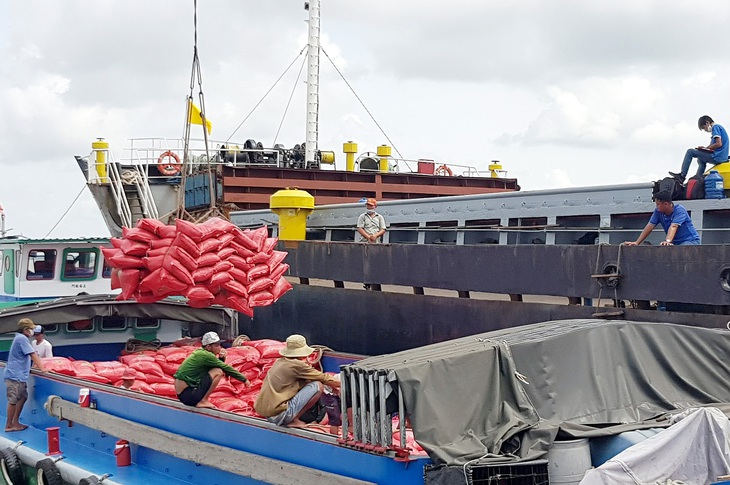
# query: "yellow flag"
{"type": "Point", "coordinates": [196, 119]}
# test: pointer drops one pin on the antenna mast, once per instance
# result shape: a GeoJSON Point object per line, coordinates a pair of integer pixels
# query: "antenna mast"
{"type": "Point", "coordinates": [312, 138]}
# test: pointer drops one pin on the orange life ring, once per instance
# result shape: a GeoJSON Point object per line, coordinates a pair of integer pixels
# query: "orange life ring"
{"type": "Point", "coordinates": [443, 170]}
{"type": "Point", "coordinates": [169, 169]}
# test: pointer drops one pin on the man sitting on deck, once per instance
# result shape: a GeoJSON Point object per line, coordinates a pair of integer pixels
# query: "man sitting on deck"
{"type": "Point", "coordinates": [202, 370]}
{"type": "Point", "coordinates": [292, 386]}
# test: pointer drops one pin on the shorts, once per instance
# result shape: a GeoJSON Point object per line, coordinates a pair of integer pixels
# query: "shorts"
{"type": "Point", "coordinates": [191, 396]}
{"type": "Point", "coordinates": [296, 404]}
{"type": "Point", "coordinates": [16, 391]}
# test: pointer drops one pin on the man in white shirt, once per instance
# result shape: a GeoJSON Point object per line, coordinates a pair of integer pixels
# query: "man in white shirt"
{"type": "Point", "coordinates": [42, 346]}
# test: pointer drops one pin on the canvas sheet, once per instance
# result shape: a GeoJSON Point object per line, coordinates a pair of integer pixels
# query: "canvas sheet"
{"type": "Point", "coordinates": [694, 451]}
{"type": "Point", "coordinates": [507, 394]}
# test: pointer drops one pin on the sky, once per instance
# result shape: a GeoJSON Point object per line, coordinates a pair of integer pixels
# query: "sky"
{"type": "Point", "coordinates": [563, 93]}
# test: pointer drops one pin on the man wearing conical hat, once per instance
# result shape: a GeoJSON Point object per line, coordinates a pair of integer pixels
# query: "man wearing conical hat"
{"type": "Point", "coordinates": [292, 386]}
{"type": "Point", "coordinates": [17, 372]}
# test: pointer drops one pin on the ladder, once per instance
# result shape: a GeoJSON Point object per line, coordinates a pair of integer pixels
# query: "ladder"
{"type": "Point", "coordinates": [609, 279]}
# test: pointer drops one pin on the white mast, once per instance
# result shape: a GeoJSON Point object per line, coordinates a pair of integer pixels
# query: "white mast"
{"type": "Point", "coordinates": [2, 222]}
{"type": "Point", "coordinates": [312, 138]}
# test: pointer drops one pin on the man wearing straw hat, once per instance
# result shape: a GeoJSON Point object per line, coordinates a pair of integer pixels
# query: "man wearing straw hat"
{"type": "Point", "coordinates": [17, 371]}
{"type": "Point", "coordinates": [292, 386]}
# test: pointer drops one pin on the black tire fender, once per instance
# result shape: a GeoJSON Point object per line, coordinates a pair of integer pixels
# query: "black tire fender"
{"type": "Point", "coordinates": [12, 469]}
{"type": "Point", "coordinates": [47, 473]}
{"type": "Point", "coordinates": [92, 480]}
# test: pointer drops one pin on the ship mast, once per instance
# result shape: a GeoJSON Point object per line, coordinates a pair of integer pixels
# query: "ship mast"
{"type": "Point", "coordinates": [312, 138]}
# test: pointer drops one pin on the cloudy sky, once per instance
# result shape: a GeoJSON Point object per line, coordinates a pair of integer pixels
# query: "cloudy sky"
{"type": "Point", "coordinates": [564, 93]}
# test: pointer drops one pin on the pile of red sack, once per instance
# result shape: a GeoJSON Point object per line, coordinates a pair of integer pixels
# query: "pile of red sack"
{"type": "Point", "coordinates": [210, 263]}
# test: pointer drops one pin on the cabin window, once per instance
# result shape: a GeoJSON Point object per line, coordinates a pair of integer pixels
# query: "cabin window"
{"type": "Point", "coordinates": [80, 326]}
{"type": "Point", "coordinates": [106, 270]}
{"type": "Point", "coordinates": [147, 323]}
{"type": "Point", "coordinates": [79, 264]}
{"type": "Point", "coordinates": [41, 264]}
{"type": "Point", "coordinates": [50, 328]}
{"type": "Point", "coordinates": [113, 323]}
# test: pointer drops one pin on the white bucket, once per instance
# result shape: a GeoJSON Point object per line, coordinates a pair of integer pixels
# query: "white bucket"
{"type": "Point", "coordinates": [568, 461]}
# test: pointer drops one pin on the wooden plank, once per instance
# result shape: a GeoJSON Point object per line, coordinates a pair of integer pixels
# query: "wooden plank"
{"type": "Point", "coordinates": [250, 465]}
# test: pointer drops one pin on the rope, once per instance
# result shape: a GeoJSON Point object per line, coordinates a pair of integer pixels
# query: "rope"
{"type": "Point", "coordinates": [135, 345]}
{"type": "Point", "coordinates": [294, 88]}
{"type": "Point", "coordinates": [362, 104]}
{"type": "Point", "coordinates": [238, 341]}
{"type": "Point", "coordinates": [265, 95]}
{"type": "Point", "coordinates": [65, 213]}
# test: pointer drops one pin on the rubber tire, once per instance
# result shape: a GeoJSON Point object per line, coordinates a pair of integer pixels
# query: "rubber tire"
{"type": "Point", "coordinates": [47, 473]}
{"type": "Point", "coordinates": [12, 469]}
{"type": "Point", "coordinates": [89, 481]}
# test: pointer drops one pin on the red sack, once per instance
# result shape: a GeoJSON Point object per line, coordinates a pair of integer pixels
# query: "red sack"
{"type": "Point", "coordinates": [268, 348]}
{"type": "Point", "coordinates": [151, 225]}
{"type": "Point", "coordinates": [208, 259]}
{"type": "Point", "coordinates": [252, 373]}
{"type": "Point", "coordinates": [280, 287]}
{"type": "Point", "coordinates": [169, 368]}
{"type": "Point", "coordinates": [163, 283]}
{"type": "Point", "coordinates": [236, 287]}
{"type": "Point", "coordinates": [153, 263]}
{"type": "Point", "coordinates": [164, 389]}
{"type": "Point", "coordinates": [269, 245]}
{"type": "Point", "coordinates": [137, 234]}
{"type": "Point", "coordinates": [112, 370]}
{"type": "Point", "coordinates": [215, 226]}
{"type": "Point", "coordinates": [179, 271]}
{"type": "Point", "coordinates": [123, 261]}
{"type": "Point", "coordinates": [147, 297]}
{"type": "Point", "coordinates": [109, 253]}
{"type": "Point", "coordinates": [218, 279]}
{"type": "Point", "coordinates": [116, 284]}
{"type": "Point", "coordinates": [277, 257]}
{"type": "Point", "coordinates": [93, 378]}
{"type": "Point", "coordinates": [175, 355]}
{"type": "Point", "coordinates": [241, 250]}
{"type": "Point", "coordinates": [191, 230]}
{"type": "Point", "coordinates": [183, 256]}
{"type": "Point", "coordinates": [116, 242]}
{"type": "Point", "coordinates": [150, 369]}
{"type": "Point", "coordinates": [256, 272]}
{"type": "Point", "coordinates": [157, 252]}
{"type": "Point", "coordinates": [130, 247]}
{"type": "Point", "coordinates": [130, 358]}
{"type": "Point", "coordinates": [210, 245]}
{"type": "Point", "coordinates": [226, 252]}
{"type": "Point", "coordinates": [239, 275]}
{"type": "Point", "coordinates": [258, 258]}
{"type": "Point", "coordinates": [167, 232]}
{"type": "Point", "coordinates": [184, 241]}
{"type": "Point", "coordinates": [279, 271]}
{"type": "Point", "coordinates": [223, 267]}
{"type": "Point", "coordinates": [259, 236]}
{"type": "Point", "coordinates": [202, 275]}
{"type": "Point", "coordinates": [129, 280]}
{"type": "Point", "coordinates": [262, 298]}
{"type": "Point", "coordinates": [239, 262]}
{"type": "Point", "coordinates": [142, 386]}
{"type": "Point", "coordinates": [59, 365]}
{"type": "Point", "coordinates": [226, 239]}
{"type": "Point", "coordinates": [199, 293]}
{"type": "Point", "coordinates": [231, 404]}
{"type": "Point", "coordinates": [260, 284]}
{"type": "Point", "coordinates": [162, 243]}
{"type": "Point", "coordinates": [244, 239]}
{"type": "Point", "coordinates": [243, 358]}
{"type": "Point", "coordinates": [240, 304]}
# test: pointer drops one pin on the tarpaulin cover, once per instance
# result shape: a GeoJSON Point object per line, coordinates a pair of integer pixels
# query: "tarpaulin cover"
{"type": "Point", "coordinates": [507, 394]}
{"type": "Point", "coordinates": [695, 451]}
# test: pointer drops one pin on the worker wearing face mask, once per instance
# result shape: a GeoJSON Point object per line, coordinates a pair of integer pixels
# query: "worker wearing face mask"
{"type": "Point", "coordinates": [370, 225]}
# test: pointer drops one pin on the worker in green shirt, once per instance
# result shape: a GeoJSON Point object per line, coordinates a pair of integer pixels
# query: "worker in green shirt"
{"type": "Point", "coordinates": [202, 370]}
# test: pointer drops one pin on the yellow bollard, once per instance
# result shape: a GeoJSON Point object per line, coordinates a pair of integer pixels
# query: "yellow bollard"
{"type": "Point", "coordinates": [350, 149]}
{"type": "Point", "coordinates": [494, 168]}
{"type": "Point", "coordinates": [292, 206]}
{"type": "Point", "coordinates": [384, 154]}
{"type": "Point", "coordinates": [100, 147]}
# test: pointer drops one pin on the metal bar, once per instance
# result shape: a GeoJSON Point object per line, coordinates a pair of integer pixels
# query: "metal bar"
{"type": "Point", "coordinates": [372, 415]}
{"type": "Point", "coordinates": [344, 379]}
{"type": "Point", "coordinates": [356, 424]}
{"type": "Point", "coordinates": [363, 407]}
{"type": "Point", "coordinates": [401, 419]}
{"type": "Point", "coordinates": [385, 425]}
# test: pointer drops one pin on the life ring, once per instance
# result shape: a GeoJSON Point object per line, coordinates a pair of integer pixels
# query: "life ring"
{"type": "Point", "coordinates": [47, 473]}
{"type": "Point", "coordinates": [169, 169]}
{"type": "Point", "coordinates": [12, 469]}
{"type": "Point", "coordinates": [443, 170]}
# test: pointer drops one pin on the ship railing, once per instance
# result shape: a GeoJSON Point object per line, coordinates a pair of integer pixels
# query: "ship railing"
{"type": "Point", "coordinates": [120, 197]}
{"type": "Point", "coordinates": [374, 400]}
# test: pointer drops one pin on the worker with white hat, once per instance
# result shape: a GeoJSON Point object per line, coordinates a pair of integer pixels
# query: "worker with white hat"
{"type": "Point", "coordinates": [202, 370]}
